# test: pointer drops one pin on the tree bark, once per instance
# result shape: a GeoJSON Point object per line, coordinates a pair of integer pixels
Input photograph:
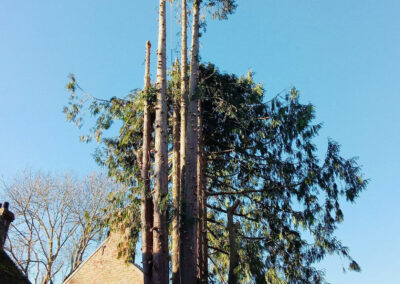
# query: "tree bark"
{"type": "Point", "coordinates": [202, 243]}
{"type": "Point", "coordinates": [175, 185]}
{"type": "Point", "coordinates": [202, 274]}
{"type": "Point", "coordinates": [199, 240]}
{"type": "Point", "coordinates": [146, 198]}
{"type": "Point", "coordinates": [204, 260]}
{"type": "Point", "coordinates": [160, 229]}
{"type": "Point", "coordinates": [184, 95]}
{"type": "Point", "coordinates": [188, 257]}
{"type": "Point", "coordinates": [182, 151]}
{"type": "Point", "coordinates": [233, 252]}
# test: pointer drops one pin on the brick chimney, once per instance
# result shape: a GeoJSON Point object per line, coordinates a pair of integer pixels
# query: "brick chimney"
{"type": "Point", "coordinates": [6, 217]}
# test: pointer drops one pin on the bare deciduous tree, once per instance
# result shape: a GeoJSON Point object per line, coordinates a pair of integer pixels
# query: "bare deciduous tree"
{"type": "Point", "coordinates": [57, 220]}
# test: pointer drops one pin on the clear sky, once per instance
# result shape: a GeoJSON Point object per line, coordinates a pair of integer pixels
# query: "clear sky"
{"type": "Point", "coordinates": [343, 56]}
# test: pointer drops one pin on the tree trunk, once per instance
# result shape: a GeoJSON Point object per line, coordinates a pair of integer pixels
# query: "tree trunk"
{"type": "Point", "coordinates": [175, 184]}
{"type": "Point", "coordinates": [199, 240]}
{"type": "Point", "coordinates": [160, 229]}
{"type": "Point", "coordinates": [233, 252]}
{"type": "Point", "coordinates": [204, 260]}
{"type": "Point", "coordinates": [182, 150]}
{"type": "Point", "coordinates": [188, 257]}
{"type": "Point", "coordinates": [47, 278]}
{"type": "Point", "coordinates": [202, 252]}
{"type": "Point", "coordinates": [146, 198]}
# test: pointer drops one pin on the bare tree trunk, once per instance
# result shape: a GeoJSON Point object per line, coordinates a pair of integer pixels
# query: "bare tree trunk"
{"type": "Point", "coordinates": [204, 260]}
{"type": "Point", "coordinates": [146, 198]}
{"type": "Point", "coordinates": [160, 229]}
{"type": "Point", "coordinates": [175, 184]}
{"type": "Point", "coordinates": [199, 194]}
{"type": "Point", "coordinates": [233, 252]}
{"type": "Point", "coordinates": [202, 213]}
{"type": "Point", "coordinates": [182, 151]}
{"type": "Point", "coordinates": [188, 257]}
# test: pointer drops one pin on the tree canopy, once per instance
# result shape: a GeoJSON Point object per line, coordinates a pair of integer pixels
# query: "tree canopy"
{"type": "Point", "coordinates": [259, 153]}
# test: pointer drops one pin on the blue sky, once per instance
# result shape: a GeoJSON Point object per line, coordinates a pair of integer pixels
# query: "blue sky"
{"type": "Point", "coordinates": [343, 56]}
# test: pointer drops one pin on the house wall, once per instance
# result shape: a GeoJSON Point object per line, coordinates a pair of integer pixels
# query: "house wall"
{"type": "Point", "coordinates": [103, 267]}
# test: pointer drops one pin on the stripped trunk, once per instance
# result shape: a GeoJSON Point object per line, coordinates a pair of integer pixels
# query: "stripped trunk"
{"type": "Point", "coordinates": [188, 257]}
{"type": "Point", "coordinates": [175, 184]}
{"type": "Point", "coordinates": [146, 198]}
{"type": "Point", "coordinates": [176, 271]}
{"type": "Point", "coordinates": [202, 252]}
{"type": "Point", "coordinates": [160, 229]}
{"type": "Point", "coordinates": [233, 251]}
{"type": "Point", "coordinates": [204, 260]}
{"type": "Point", "coordinates": [199, 241]}
{"type": "Point", "coordinates": [200, 191]}
{"type": "Point", "coordinates": [183, 103]}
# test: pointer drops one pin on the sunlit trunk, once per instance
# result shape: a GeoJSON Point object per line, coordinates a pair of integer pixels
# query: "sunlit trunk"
{"type": "Point", "coordinates": [188, 257]}
{"type": "Point", "coordinates": [175, 184]}
{"type": "Point", "coordinates": [146, 198]}
{"type": "Point", "coordinates": [182, 145]}
{"type": "Point", "coordinates": [160, 229]}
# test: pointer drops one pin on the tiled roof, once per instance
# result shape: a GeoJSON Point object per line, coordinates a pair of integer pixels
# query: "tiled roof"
{"type": "Point", "coordinates": [9, 272]}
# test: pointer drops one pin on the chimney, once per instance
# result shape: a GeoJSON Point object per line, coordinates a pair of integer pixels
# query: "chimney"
{"type": "Point", "coordinates": [6, 217]}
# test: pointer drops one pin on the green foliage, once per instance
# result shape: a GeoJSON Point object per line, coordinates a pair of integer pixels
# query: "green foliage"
{"type": "Point", "coordinates": [258, 151]}
{"type": "Point", "coordinates": [262, 152]}
{"type": "Point", "coordinates": [120, 155]}
{"type": "Point", "coordinates": [220, 9]}
{"type": "Point", "coordinates": [123, 217]}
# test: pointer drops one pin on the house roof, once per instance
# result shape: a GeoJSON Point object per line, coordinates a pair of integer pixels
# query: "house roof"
{"type": "Point", "coordinates": [9, 272]}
